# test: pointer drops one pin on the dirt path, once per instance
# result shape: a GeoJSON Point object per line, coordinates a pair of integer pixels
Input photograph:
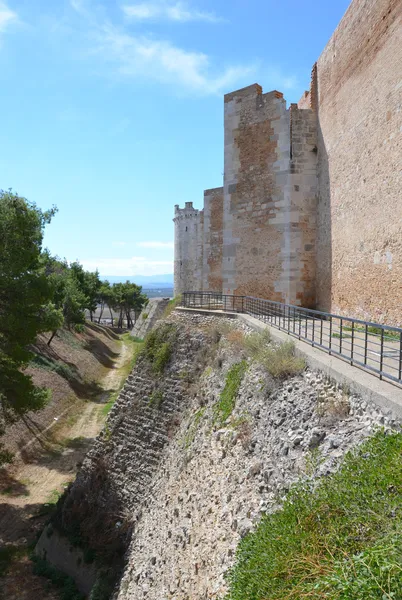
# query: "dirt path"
{"type": "Point", "coordinates": [33, 487]}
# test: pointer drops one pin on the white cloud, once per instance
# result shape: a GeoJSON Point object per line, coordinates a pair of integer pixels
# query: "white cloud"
{"type": "Point", "coordinates": [164, 62]}
{"type": "Point", "coordinates": [178, 11]}
{"type": "Point", "coordinates": [7, 16]}
{"type": "Point", "coordinates": [136, 265]}
{"type": "Point", "coordinates": [155, 244]}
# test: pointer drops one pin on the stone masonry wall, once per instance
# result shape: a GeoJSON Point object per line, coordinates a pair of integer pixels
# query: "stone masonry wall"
{"type": "Point", "coordinates": [359, 157]}
{"type": "Point", "coordinates": [256, 139]}
{"type": "Point", "coordinates": [214, 482]}
{"type": "Point", "coordinates": [312, 211]}
{"type": "Point", "coordinates": [213, 238]}
{"type": "Point", "coordinates": [188, 248]}
{"type": "Point", "coordinates": [270, 198]}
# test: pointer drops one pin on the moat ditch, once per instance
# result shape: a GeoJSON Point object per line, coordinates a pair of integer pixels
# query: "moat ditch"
{"type": "Point", "coordinates": [210, 433]}
{"type": "Point", "coordinates": [47, 461]}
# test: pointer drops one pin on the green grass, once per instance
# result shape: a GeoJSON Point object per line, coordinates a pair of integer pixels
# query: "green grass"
{"type": "Point", "coordinates": [281, 361]}
{"type": "Point", "coordinates": [193, 428]}
{"type": "Point", "coordinates": [109, 404]}
{"type": "Point", "coordinates": [57, 366]}
{"type": "Point", "coordinates": [53, 497]}
{"type": "Point", "coordinates": [227, 400]}
{"type": "Point", "coordinates": [11, 491]}
{"type": "Point", "coordinates": [156, 399]}
{"type": "Point", "coordinates": [158, 346]}
{"type": "Point", "coordinates": [388, 335]}
{"type": "Point", "coordinates": [256, 343]}
{"type": "Point", "coordinates": [339, 336]}
{"type": "Point", "coordinates": [172, 305]}
{"type": "Point", "coordinates": [342, 541]}
{"type": "Point", "coordinates": [8, 554]}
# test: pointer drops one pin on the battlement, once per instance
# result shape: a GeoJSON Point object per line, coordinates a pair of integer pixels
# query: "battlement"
{"type": "Point", "coordinates": [187, 212]}
{"type": "Point", "coordinates": [213, 191]}
{"type": "Point", "coordinates": [251, 90]}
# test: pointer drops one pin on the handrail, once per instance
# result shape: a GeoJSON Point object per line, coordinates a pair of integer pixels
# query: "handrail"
{"type": "Point", "coordinates": [375, 347]}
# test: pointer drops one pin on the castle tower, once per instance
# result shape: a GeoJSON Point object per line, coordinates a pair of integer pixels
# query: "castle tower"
{"type": "Point", "coordinates": [188, 248]}
{"type": "Point", "coordinates": [269, 205]}
{"type": "Point", "coordinates": [213, 240]}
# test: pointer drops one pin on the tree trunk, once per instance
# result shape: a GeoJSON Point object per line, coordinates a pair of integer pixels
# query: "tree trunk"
{"type": "Point", "coordinates": [111, 316]}
{"type": "Point", "coordinates": [101, 313]}
{"type": "Point", "coordinates": [91, 315]}
{"type": "Point", "coordinates": [51, 337]}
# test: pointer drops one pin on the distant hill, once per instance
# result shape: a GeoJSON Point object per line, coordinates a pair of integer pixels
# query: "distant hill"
{"type": "Point", "coordinates": [147, 281]}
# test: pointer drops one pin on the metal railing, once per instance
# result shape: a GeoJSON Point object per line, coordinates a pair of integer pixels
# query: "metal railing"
{"type": "Point", "coordinates": [374, 347]}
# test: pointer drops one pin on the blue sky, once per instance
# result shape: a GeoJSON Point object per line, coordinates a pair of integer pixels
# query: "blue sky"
{"type": "Point", "coordinates": [113, 109]}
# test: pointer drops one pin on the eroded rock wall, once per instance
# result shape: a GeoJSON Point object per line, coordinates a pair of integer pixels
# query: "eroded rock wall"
{"type": "Point", "coordinates": [215, 482]}
{"type": "Point", "coordinates": [169, 488]}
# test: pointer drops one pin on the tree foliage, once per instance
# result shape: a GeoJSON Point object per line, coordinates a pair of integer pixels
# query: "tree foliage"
{"type": "Point", "coordinates": [40, 293]}
{"type": "Point", "coordinates": [26, 307]}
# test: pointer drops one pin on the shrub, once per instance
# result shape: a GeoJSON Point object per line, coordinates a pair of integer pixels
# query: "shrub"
{"type": "Point", "coordinates": [158, 346]}
{"type": "Point", "coordinates": [340, 541]}
{"type": "Point", "coordinates": [281, 361]}
{"type": "Point", "coordinates": [227, 400]}
{"type": "Point", "coordinates": [172, 305]}
{"type": "Point", "coordinates": [145, 316]}
{"type": "Point", "coordinates": [59, 367]}
{"type": "Point", "coordinates": [156, 399]}
{"type": "Point", "coordinates": [257, 342]}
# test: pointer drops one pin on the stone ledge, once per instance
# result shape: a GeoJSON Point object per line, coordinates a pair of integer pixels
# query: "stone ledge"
{"type": "Point", "coordinates": [360, 382]}
{"type": "Point", "coordinates": [207, 312]}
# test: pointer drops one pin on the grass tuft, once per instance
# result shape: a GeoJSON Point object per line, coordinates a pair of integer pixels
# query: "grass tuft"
{"type": "Point", "coordinates": [281, 361]}
{"type": "Point", "coordinates": [227, 400]}
{"type": "Point", "coordinates": [158, 346]}
{"type": "Point", "coordinates": [172, 305]}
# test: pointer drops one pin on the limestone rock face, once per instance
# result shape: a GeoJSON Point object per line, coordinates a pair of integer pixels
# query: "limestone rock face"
{"type": "Point", "coordinates": [213, 482]}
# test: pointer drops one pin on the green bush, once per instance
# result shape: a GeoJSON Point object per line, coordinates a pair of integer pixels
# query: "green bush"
{"type": "Point", "coordinates": [256, 343]}
{"type": "Point", "coordinates": [158, 346]}
{"type": "Point", "coordinates": [57, 366]}
{"type": "Point", "coordinates": [281, 361]}
{"type": "Point", "coordinates": [156, 399]}
{"type": "Point", "coordinates": [227, 400]}
{"type": "Point", "coordinates": [172, 305]}
{"type": "Point", "coordinates": [340, 541]}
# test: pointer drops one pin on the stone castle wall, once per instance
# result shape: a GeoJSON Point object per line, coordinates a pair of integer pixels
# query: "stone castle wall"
{"type": "Point", "coordinates": [213, 240]}
{"type": "Point", "coordinates": [187, 248]}
{"type": "Point", "coordinates": [311, 208]}
{"type": "Point", "coordinates": [359, 153]}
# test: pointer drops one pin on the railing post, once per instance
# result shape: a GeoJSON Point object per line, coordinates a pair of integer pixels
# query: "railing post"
{"type": "Point", "coordinates": [313, 329]}
{"type": "Point", "coordinates": [365, 344]}
{"type": "Point", "coordinates": [382, 352]}
{"type": "Point", "coordinates": [352, 343]}
{"type": "Point", "coordinates": [340, 339]}
{"type": "Point", "coordinates": [400, 357]}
